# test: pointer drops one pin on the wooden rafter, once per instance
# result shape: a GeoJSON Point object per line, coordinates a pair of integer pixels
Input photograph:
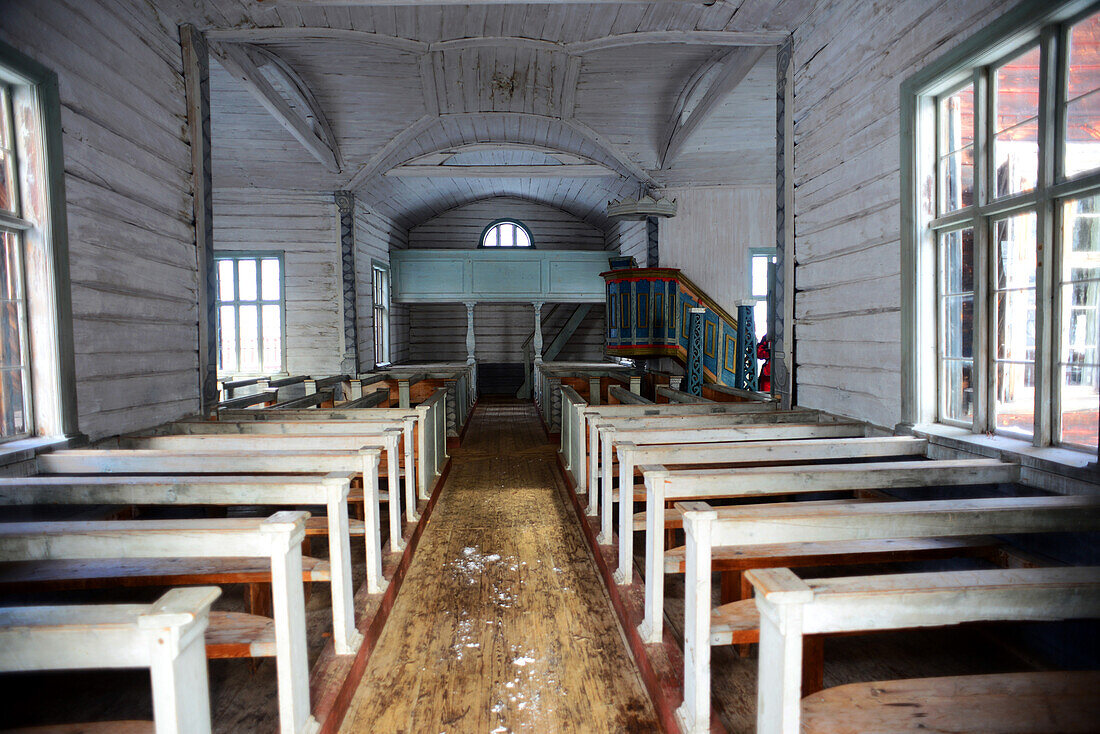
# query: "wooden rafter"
{"type": "Point", "coordinates": [580, 170]}
{"type": "Point", "coordinates": [255, 67]}
{"type": "Point", "coordinates": [702, 93]}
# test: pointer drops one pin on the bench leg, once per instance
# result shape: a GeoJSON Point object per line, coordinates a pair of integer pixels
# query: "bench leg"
{"type": "Point", "coordinates": [346, 638]}
{"type": "Point", "coordinates": [372, 522]}
{"type": "Point", "coordinates": [397, 543]}
{"type": "Point", "coordinates": [291, 658]}
{"type": "Point", "coordinates": [181, 691]}
{"type": "Point", "coordinates": [813, 664]}
{"type": "Point", "coordinates": [652, 626]}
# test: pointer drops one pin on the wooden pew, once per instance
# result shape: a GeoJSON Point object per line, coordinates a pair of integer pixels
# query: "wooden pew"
{"type": "Point", "coordinates": [621, 396]}
{"type": "Point", "coordinates": [365, 462]}
{"type": "Point", "coordinates": [782, 525]}
{"type": "Point", "coordinates": [703, 484]}
{"type": "Point", "coordinates": [386, 438]}
{"type": "Point", "coordinates": [677, 396]}
{"type": "Point", "coordinates": [791, 608]}
{"type": "Point", "coordinates": [165, 636]}
{"type": "Point", "coordinates": [323, 398]}
{"type": "Point", "coordinates": [264, 397]}
{"type": "Point", "coordinates": [632, 455]}
{"type": "Point", "coordinates": [330, 491]}
{"type": "Point", "coordinates": [277, 538]}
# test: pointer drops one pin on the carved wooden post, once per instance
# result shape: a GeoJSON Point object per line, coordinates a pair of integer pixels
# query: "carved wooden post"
{"type": "Point", "coordinates": [345, 204]}
{"type": "Point", "coordinates": [746, 347]}
{"type": "Point", "coordinates": [695, 352]}
{"type": "Point", "coordinates": [470, 343]}
{"type": "Point", "coordinates": [538, 330]}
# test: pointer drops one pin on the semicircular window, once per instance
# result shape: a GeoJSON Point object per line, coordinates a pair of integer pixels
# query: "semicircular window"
{"type": "Point", "coordinates": [506, 233]}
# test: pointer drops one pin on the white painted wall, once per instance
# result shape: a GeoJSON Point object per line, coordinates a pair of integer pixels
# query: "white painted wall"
{"type": "Point", "coordinates": [127, 186]}
{"type": "Point", "coordinates": [551, 228]}
{"type": "Point", "coordinates": [850, 57]}
{"type": "Point", "coordinates": [710, 237]}
{"type": "Point", "coordinates": [305, 228]}
{"type": "Point", "coordinates": [375, 236]}
{"type": "Point", "coordinates": [630, 239]}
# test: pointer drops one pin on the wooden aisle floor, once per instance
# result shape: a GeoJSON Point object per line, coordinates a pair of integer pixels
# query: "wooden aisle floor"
{"type": "Point", "coordinates": [502, 623]}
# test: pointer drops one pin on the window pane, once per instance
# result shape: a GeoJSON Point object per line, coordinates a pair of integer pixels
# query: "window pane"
{"type": "Point", "coordinates": [13, 418]}
{"type": "Point", "coordinates": [1015, 398]}
{"type": "Point", "coordinates": [1016, 159]}
{"type": "Point", "coordinates": [269, 279]}
{"type": "Point", "coordinates": [760, 276]}
{"type": "Point", "coordinates": [507, 235]}
{"type": "Point", "coordinates": [11, 340]}
{"type": "Point", "coordinates": [273, 339]}
{"type": "Point", "coordinates": [227, 336]}
{"type": "Point", "coordinates": [1080, 405]}
{"type": "Point", "coordinates": [957, 120]}
{"type": "Point", "coordinates": [1082, 135]}
{"type": "Point", "coordinates": [1014, 243]}
{"type": "Point", "coordinates": [760, 318]}
{"type": "Point", "coordinates": [957, 180]}
{"type": "Point", "coordinates": [246, 279]}
{"type": "Point", "coordinates": [1084, 57]}
{"type": "Point", "coordinates": [957, 261]}
{"type": "Point", "coordinates": [1016, 324]}
{"type": "Point", "coordinates": [958, 326]}
{"type": "Point", "coordinates": [958, 390]}
{"type": "Point", "coordinates": [7, 183]}
{"type": "Point", "coordinates": [522, 240]}
{"type": "Point", "coordinates": [250, 339]}
{"type": "Point", "coordinates": [1017, 91]}
{"type": "Point", "coordinates": [225, 280]}
{"type": "Point", "coordinates": [11, 276]}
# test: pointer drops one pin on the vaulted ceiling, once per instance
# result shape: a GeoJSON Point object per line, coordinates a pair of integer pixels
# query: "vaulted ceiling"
{"type": "Point", "coordinates": [567, 104]}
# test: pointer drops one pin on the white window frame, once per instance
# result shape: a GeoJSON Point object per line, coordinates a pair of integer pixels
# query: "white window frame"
{"type": "Point", "coordinates": [380, 312]}
{"type": "Point", "coordinates": [519, 226]}
{"type": "Point", "coordinates": [1032, 22]}
{"type": "Point", "coordinates": [260, 302]}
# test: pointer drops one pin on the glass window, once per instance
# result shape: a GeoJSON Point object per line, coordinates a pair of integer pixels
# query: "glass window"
{"type": "Point", "coordinates": [956, 322]}
{"type": "Point", "coordinates": [381, 293]}
{"type": "Point", "coordinates": [506, 233]}
{"type": "Point", "coordinates": [1078, 293]}
{"type": "Point", "coordinates": [956, 145]}
{"type": "Point", "coordinates": [1014, 323]}
{"type": "Point", "coordinates": [1016, 124]}
{"type": "Point", "coordinates": [1082, 103]}
{"type": "Point", "coordinates": [15, 393]}
{"type": "Point", "coordinates": [250, 314]}
{"type": "Point", "coordinates": [758, 287]}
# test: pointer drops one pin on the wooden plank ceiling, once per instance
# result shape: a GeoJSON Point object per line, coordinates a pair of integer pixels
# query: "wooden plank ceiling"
{"type": "Point", "coordinates": [428, 107]}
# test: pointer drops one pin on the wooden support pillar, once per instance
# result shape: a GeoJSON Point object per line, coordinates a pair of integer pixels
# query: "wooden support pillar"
{"type": "Point", "coordinates": [310, 386]}
{"type": "Point", "coordinates": [404, 399]}
{"type": "Point", "coordinates": [470, 341]}
{"type": "Point", "coordinates": [537, 345]}
{"type": "Point", "coordinates": [196, 83]}
{"type": "Point", "coordinates": [695, 352]}
{"type": "Point", "coordinates": [745, 376]}
{"type": "Point", "coordinates": [636, 384]}
{"type": "Point", "coordinates": [593, 391]}
{"type": "Point", "coordinates": [345, 205]}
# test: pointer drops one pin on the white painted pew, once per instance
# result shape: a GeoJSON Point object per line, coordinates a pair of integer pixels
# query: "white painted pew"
{"type": "Point", "coordinates": [707, 529]}
{"type": "Point", "coordinates": [696, 484]}
{"type": "Point", "coordinates": [165, 636]}
{"type": "Point", "coordinates": [330, 491]}
{"type": "Point", "coordinates": [678, 396]}
{"type": "Point", "coordinates": [631, 455]}
{"type": "Point", "coordinates": [278, 538]}
{"type": "Point", "coordinates": [790, 608]}
{"type": "Point", "coordinates": [389, 439]}
{"type": "Point", "coordinates": [363, 461]}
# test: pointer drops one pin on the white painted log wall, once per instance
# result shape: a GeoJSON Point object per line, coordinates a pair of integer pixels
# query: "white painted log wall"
{"type": "Point", "coordinates": [551, 228]}
{"type": "Point", "coordinates": [439, 331]}
{"type": "Point", "coordinates": [375, 236]}
{"type": "Point", "coordinates": [305, 228]}
{"type": "Point", "coordinates": [710, 236]}
{"type": "Point", "coordinates": [127, 183]}
{"type": "Point", "coordinates": [850, 58]}
{"type": "Point", "coordinates": [629, 239]}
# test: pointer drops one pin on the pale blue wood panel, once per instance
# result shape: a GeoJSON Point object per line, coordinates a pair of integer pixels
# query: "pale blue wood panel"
{"type": "Point", "coordinates": [420, 276]}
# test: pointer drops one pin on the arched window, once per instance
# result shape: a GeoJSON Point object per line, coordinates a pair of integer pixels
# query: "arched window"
{"type": "Point", "coordinates": [506, 233]}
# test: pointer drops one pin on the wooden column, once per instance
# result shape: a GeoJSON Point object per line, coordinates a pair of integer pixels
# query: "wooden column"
{"type": "Point", "coordinates": [345, 205]}
{"type": "Point", "coordinates": [196, 83]}
{"type": "Point", "coordinates": [781, 289]}
{"type": "Point", "coordinates": [470, 342]}
{"type": "Point", "coordinates": [538, 330]}
{"type": "Point", "coordinates": [695, 351]}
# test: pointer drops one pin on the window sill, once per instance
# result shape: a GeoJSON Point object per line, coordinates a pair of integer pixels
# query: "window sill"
{"type": "Point", "coordinates": [26, 449]}
{"type": "Point", "coordinates": [1050, 460]}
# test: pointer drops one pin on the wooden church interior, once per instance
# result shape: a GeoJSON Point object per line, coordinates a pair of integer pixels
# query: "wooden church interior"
{"type": "Point", "coordinates": [576, 365]}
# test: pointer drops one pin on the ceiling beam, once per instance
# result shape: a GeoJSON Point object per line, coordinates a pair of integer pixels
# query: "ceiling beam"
{"type": "Point", "coordinates": [390, 3]}
{"type": "Point", "coordinates": [247, 64]}
{"type": "Point", "coordinates": [577, 170]}
{"type": "Point", "coordinates": [723, 75]}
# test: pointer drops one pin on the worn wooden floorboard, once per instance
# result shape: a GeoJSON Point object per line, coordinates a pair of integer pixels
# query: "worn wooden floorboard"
{"type": "Point", "coordinates": [503, 623]}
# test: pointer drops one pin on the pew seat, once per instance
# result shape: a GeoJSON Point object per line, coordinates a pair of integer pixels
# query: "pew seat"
{"type": "Point", "coordinates": [1007, 703]}
{"type": "Point", "coordinates": [318, 525]}
{"type": "Point", "coordinates": [98, 727]}
{"type": "Point", "coordinates": [240, 635]}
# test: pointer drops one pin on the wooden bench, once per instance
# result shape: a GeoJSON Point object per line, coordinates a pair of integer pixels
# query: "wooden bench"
{"type": "Point", "coordinates": [322, 398]}
{"type": "Point", "coordinates": [841, 525]}
{"type": "Point", "coordinates": [365, 462]}
{"type": "Point", "coordinates": [387, 439]}
{"type": "Point", "coordinates": [677, 396]}
{"type": "Point", "coordinates": [330, 491]}
{"type": "Point", "coordinates": [621, 396]}
{"type": "Point", "coordinates": [657, 456]}
{"type": "Point", "coordinates": [791, 608]}
{"type": "Point", "coordinates": [165, 636]}
{"type": "Point", "coordinates": [277, 538]}
{"type": "Point", "coordinates": [264, 397]}
{"type": "Point", "coordinates": [704, 484]}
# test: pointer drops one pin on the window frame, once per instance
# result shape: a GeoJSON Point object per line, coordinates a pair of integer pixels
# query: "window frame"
{"type": "Point", "coordinates": [514, 248]}
{"type": "Point", "coordinates": [380, 268]}
{"type": "Point", "coordinates": [260, 302]}
{"type": "Point", "coordinates": [50, 350]}
{"type": "Point", "coordinates": [1031, 23]}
